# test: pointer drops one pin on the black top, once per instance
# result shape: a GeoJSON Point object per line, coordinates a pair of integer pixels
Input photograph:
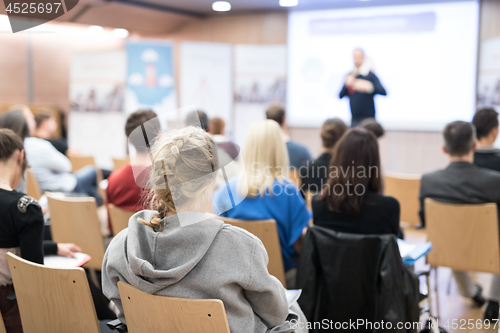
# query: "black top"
{"type": "Point", "coordinates": [362, 104]}
{"type": "Point", "coordinates": [315, 173]}
{"type": "Point", "coordinates": [379, 215]}
{"type": "Point", "coordinates": [487, 158]}
{"type": "Point", "coordinates": [21, 225]}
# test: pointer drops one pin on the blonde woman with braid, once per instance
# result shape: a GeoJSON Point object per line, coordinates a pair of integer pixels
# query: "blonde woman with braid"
{"type": "Point", "coordinates": [271, 195]}
{"type": "Point", "coordinates": [175, 250]}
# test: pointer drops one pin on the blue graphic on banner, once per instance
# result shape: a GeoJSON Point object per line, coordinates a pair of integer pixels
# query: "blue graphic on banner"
{"type": "Point", "coordinates": [150, 78]}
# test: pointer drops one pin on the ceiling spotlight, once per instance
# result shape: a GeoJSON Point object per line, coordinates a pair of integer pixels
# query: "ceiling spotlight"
{"type": "Point", "coordinates": [221, 6]}
{"type": "Point", "coordinates": [289, 3]}
{"type": "Point", "coordinates": [120, 33]}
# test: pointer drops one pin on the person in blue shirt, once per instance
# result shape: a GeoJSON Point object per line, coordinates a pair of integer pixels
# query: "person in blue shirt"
{"type": "Point", "coordinates": [264, 192]}
{"type": "Point", "coordinates": [297, 153]}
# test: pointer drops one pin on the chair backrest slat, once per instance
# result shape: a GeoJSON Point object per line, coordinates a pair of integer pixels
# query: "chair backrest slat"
{"type": "Point", "coordinates": [118, 163]}
{"type": "Point", "coordinates": [464, 237]}
{"type": "Point", "coordinates": [267, 232]}
{"type": "Point", "coordinates": [52, 299]}
{"type": "Point", "coordinates": [75, 220]}
{"type": "Point", "coordinates": [119, 218]}
{"type": "Point", "coordinates": [32, 187]}
{"type": "Point", "coordinates": [150, 313]}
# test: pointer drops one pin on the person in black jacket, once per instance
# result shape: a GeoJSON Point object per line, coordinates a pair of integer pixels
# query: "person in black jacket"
{"type": "Point", "coordinates": [361, 85]}
{"type": "Point", "coordinates": [351, 201]}
{"type": "Point", "coordinates": [486, 123]}
{"type": "Point", "coordinates": [315, 173]}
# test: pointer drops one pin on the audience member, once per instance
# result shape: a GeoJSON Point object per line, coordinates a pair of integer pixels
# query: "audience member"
{"type": "Point", "coordinates": [486, 123]}
{"type": "Point", "coordinates": [126, 185]}
{"type": "Point", "coordinates": [178, 251]}
{"type": "Point", "coordinates": [315, 173]}
{"type": "Point", "coordinates": [297, 153]}
{"type": "Point", "coordinates": [22, 224]}
{"type": "Point", "coordinates": [464, 183]}
{"type": "Point", "coordinates": [351, 201]}
{"type": "Point", "coordinates": [28, 115]}
{"type": "Point", "coordinates": [216, 129]}
{"type": "Point", "coordinates": [46, 126]}
{"type": "Point", "coordinates": [373, 126]}
{"type": "Point", "coordinates": [266, 193]}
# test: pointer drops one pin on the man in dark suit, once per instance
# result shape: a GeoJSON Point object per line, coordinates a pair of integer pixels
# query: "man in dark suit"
{"type": "Point", "coordinates": [361, 85]}
{"type": "Point", "coordinates": [462, 182]}
{"type": "Point", "coordinates": [486, 123]}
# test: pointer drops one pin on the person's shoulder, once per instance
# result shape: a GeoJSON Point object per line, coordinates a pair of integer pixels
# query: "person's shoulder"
{"type": "Point", "coordinates": [388, 201]}
{"type": "Point", "coordinates": [237, 235]}
{"type": "Point", "coordinates": [487, 173]}
{"type": "Point", "coordinates": [295, 145]}
{"type": "Point", "coordinates": [25, 201]}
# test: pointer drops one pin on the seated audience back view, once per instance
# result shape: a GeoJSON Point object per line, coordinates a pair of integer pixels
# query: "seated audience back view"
{"type": "Point", "coordinates": [464, 183]}
{"type": "Point", "coordinates": [297, 153]}
{"type": "Point", "coordinates": [270, 194]}
{"type": "Point", "coordinates": [21, 226]}
{"type": "Point", "coordinates": [370, 124]}
{"type": "Point", "coordinates": [486, 123]}
{"type": "Point", "coordinates": [178, 251]}
{"type": "Point", "coordinates": [123, 189]}
{"type": "Point", "coordinates": [315, 173]}
{"type": "Point", "coordinates": [216, 129]}
{"type": "Point", "coordinates": [46, 126]}
{"type": "Point", "coordinates": [351, 201]}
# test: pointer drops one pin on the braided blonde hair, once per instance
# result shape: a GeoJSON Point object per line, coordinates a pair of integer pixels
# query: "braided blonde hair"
{"type": "Point", "coordinates": [183, 166]}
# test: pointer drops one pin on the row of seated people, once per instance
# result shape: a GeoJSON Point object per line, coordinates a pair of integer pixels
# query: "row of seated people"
{"type": "Point", "coordinates": [266, 191]}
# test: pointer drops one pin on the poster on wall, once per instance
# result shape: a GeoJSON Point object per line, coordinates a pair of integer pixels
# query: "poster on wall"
{"type": "Point", "coordinates": [206, 79]}
{"type": "Point", "coordinates": [259, 80]}
{"type": "Point", "coordinates": [488, 82]}
{"type": "Point", "coordinates": [96, 120]}
{"type": "Point", "coordinates": [97, 81]}
{"type": "Point", "coordinates": [150, 77]}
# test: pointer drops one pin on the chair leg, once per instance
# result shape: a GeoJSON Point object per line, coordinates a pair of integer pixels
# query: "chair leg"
{"type": "Point", "coordinates": [448, 288]}
{"type": "Point", "coordinates": [429, 292]}
{"type": "Point", "coordinates": [436, 282]}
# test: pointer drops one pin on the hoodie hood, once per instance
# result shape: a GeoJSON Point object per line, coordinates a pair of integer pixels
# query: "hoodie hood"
{"type": "Point", "coordinates": [159, 259]}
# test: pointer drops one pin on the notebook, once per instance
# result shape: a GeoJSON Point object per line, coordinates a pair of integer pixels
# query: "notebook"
{"type": "Point", "coordinates": [292, 295]}
{"type": "Point", "coordinates": [412, 252]}
{"type": "Point", "coordinates": [55, 261]}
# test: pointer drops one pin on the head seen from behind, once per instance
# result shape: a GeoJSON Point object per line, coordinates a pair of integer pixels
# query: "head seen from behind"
{"type": "Point", "coordinates": [265, 157]}
{"type": "Point", "coordinates": [373, 126]}
{"type": "Point", "coordinates": [148, 122]}
{"type": "Point", "coordinates": [354, 172]}
{"type": "Point", "coordinates": [276, 112]}
{"type": "Point", "coordinates": [197, 119]}
{"type": "Point", "coordinates": [459, 141]}
{"type": "Point", "coordinates": [217, 126]}
{"type": "Point", "coordinates": [15, 121]}
{"type": "Point", "coordinates": [12, 160]}
{"type": "Point", "coordinates": [184, 165]}
{"type": "Point", "coordinates": [46, 124]}
{"type": "Point", "coordinates": [331, 131]}
{"type": "Point", "coordinates": [486, 123]}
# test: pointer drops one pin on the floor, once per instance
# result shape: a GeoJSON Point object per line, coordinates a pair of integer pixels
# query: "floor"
{"type": "Point", "coordinates": [453, 307]}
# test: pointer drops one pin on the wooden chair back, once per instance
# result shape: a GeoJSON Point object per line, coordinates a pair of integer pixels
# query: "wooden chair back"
{"type": "Point", "coordinates": [119, 163]}
{"type": "Point", "coordinates": [464, 237]}
{"type": "Point", "coordinates": [75, 220]}
{"type": "Point", "coordinates": [2, 325]}
{"type": "Point", "coordinates": [119, 218]}
{"type": "Point", "coordinates": [151, 313]}
{"type": "Point", "coordinates": [79, 162]}
{"type": "Point", "coordinates": [52, 299]}
{"type": "Point", "coordinates": [32, 188]}
{"type": "Point", "coordinates": [406, 189]}
{"type": "Point", "coordinates": [267, 232]}
{"type": "Point", "coordinates": [294, 176]}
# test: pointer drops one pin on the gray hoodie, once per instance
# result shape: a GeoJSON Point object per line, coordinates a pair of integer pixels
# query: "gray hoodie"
{"type": "Point", "coordinates": [205, 260]}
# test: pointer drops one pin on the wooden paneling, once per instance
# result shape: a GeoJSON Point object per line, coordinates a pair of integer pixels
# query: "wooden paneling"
{"type": "Point", "coordinates": [13, 60]}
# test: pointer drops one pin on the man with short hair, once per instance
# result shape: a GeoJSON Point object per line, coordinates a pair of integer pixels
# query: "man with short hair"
{"type": "Point", "coordinates": [486, 122]}
{"type": "Point", "coordinates": [125, 185]}
{"type": "Point", "coordinates": [297, 153]}
{"type": "Point", "coordinates": [462, 182]}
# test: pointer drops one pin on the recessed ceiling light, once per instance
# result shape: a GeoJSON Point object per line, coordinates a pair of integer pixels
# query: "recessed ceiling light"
{"type": "Point", "coordinates": [289, 3]}
{"type": "Point", "coordinates": [221, 6]}
{"type": "Point", "coordinates": [95, 28]}
{"type": "Point", "coordinates": [120, 33]}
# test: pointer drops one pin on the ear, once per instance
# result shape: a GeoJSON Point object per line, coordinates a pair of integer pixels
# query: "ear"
{"type": "Point", "coordinates": [444, 149]}
{"type": "Point", "coordinates": [20, 157]}
{"type": "Point", "coordinates": [474, 146]}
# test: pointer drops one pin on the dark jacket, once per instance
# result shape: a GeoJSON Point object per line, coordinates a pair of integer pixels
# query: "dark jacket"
{"type": "Point", "coordinates": [346, 277]}
{"type": "Point", "coordinates": [314, 174]}
{"type": "Point", "coordinates": [488, 158]}
{"type": "Point", "coordinates": [460, 183]}
{"type": "Point", "coordinates": [362, 104]}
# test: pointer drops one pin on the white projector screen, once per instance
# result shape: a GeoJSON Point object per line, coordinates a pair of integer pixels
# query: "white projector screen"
{"type": "Point", "coordinates": [425, 56]}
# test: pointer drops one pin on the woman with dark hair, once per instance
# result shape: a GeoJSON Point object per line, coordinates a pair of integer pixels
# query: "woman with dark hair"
{"type": "Point", "coordinates": [15, 121]}
{"type": "Point", "coordinates": [351, 200]}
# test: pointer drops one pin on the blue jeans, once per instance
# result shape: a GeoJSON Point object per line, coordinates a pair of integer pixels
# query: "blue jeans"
{"type": "Point", "coordinates": [86, 183]}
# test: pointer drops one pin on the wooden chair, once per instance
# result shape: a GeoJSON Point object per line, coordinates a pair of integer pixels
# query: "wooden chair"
{"type": "Point", "coordinates": [463, 237]}
{"type": "Point", "coordinates": [405, 188]}
{"type": "Point", "coordinates": [119, 218]}
{"type": "Point", "coordinates": [119, 163]}
{"type": "Point", "coordinates": [78, 162]}
{"type": "Point", "coordinates": [75, 220]}
{"type": "Point", "coordinates": [2, 325]}
{"type": "Point", "coordinates": [294, 176]}
{"type": "Point", "coordinates": [150, 313]}
{"type": "Point", "coordinates": [52, 299]}
{"type": "Point", "coordinates": [33, 190]}
{"type": "Point", "coordinates": [267, 232]}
